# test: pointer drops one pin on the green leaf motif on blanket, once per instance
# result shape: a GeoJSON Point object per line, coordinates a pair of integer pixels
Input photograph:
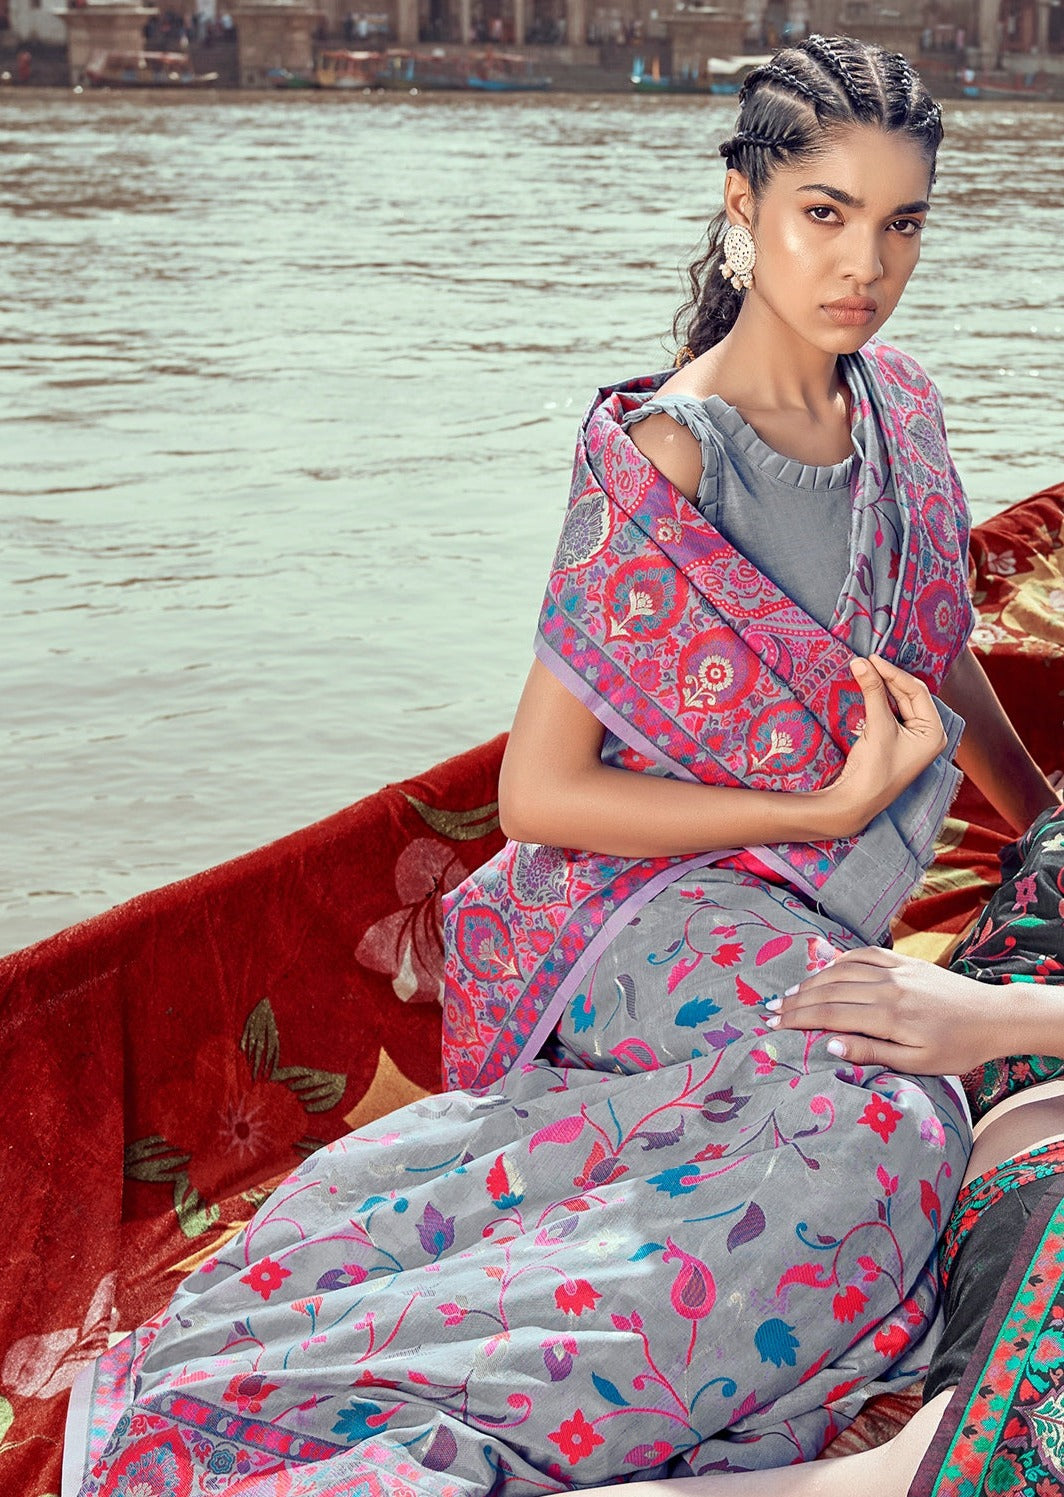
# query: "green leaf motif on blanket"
{"type": "Point", "coordinates": [1048, 1423]}
{"type": "Point", "coordinates": [458, 826]}
{"type": "Point", "coordinates": [194, 1215]}
{"type": "Point", "coordinates": [260, 1041]}
{"type": "Point", "coordinates": [154, 1160]}
{"type": "Point", "coordinates": [7, 1415]}
{"type": "Point", "coordinates": [159, 1163]}
{"type": "Point", "coordinates": [319, 1091]}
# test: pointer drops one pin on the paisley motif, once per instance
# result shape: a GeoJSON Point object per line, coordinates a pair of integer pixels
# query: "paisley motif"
{"type": "Point", "coordinates": [586, 528]}
{"type": "Point", "coordinates": [538, 874]}
{"type": "Point", "coordinates": [483, 942]}
{"type": "Point", "coordinates": [150, 1467]}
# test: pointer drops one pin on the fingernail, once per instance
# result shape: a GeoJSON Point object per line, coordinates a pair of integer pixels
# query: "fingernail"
{"type": "Point", "coordinates": [773, 1003]}
{"type": "Point", "coordinates": [790, 992]}
{"type": "Point", "coordinates": [836, 1047]}
{"type": "Point", "coordinates": [772, 1021]}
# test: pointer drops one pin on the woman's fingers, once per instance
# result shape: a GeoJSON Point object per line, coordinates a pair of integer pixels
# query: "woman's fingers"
{"type": "Point", "coordinates": [860, 1050]}
{"type": "Point", "coordinates": [879, 714]}
{"type": "Point", "coordinates": [914, 701]}
{"type": "Point", "coordinates": [862, 964]}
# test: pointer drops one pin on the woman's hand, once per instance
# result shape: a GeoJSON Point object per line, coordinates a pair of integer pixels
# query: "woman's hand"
{"type": "Point", "coordinates": [889, 752]}
{"type": "Point", "coordinates": [903, 1013]}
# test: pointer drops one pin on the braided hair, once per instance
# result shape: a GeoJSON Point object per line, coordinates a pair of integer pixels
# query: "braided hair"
{"type": "Point", "coordinates": [820, 84]}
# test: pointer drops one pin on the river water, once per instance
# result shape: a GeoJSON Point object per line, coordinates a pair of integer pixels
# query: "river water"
{"type": "Point", "coordinates": [288, 400]}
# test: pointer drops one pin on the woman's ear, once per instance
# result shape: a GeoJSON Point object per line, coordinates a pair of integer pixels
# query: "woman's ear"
{"type": "Point", "coordinates": [738, 198]}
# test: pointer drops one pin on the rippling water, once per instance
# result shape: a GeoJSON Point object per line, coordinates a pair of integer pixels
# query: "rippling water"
{"type": "Point", "coordinates": [289, 392]}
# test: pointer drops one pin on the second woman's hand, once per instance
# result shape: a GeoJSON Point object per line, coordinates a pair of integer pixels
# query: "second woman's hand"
{"type": "Point", "coordinates": [885, 1009]}
{"type": "Point", "coordinates": [889, 752]}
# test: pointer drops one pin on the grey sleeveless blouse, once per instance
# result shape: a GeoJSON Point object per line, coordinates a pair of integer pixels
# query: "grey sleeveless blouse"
{"type": "Point", "coordinates": [791, 519]}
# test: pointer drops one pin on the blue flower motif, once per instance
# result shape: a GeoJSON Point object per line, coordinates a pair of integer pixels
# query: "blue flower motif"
{"type": "Point", "coordinates": [681, 1180]}
{"type": "Point", "coordinates": [583, 1012]}
{"type": "Point", "coordinates": [692, 1013]}
{"type": "Point", "coordinates": [354, 1422]}
{"type": "Point", "coordinates": [776, 1342]}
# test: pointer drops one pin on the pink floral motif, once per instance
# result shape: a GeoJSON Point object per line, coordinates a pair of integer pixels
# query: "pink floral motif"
{"type": "Point", "coordinates": [881, 1117]}
{"type": "Point", "coordinates": [407, 945]}
{"type": "Point", "coordinates": [265, 1277]}
{"type": "Point", "coordinates": [249, 1390]}
{"type": "Point", "coordinates": [576, 1438]}
{"type": "Point", "coordinates": [576, 1296]}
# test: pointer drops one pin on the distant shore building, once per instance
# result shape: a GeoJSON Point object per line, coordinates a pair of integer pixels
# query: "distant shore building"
{"type": "Point", "coordinates": [35, 21]}
{"type": "Point", "coordinates": [941, 35]}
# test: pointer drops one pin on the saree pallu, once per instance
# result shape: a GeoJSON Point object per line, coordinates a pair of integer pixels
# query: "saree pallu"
{"type": "Point", "coordinates": [701, 668]}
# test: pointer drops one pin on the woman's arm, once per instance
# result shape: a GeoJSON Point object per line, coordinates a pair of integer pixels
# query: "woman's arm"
{"type": "Point", "coordinates": [990, 753]}
{"type": "Point", "coordinates": [554, 788]}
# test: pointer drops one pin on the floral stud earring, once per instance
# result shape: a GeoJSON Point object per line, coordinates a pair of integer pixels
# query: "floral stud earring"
{"type": "Point", "coordinates": [740, 253]}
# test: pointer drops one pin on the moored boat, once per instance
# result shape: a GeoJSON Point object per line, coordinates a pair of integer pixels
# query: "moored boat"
{"type": "Point", "coordinates": [486, 71]}
{"type": "Point", "coordinates": [338, 68]}
{"type": "Point", "coordinates": [144, 70]}
{"type": "Point", "coordinates": [505, 72]}
{"type": "Point", "coordinates": [720, 75]}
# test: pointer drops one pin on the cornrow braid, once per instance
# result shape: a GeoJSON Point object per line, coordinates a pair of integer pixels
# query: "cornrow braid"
{"type": "Point", "coordinates": [788, 107]}
{"type": "Point", "coordinates": [866, 101]}
{"type": "Point", "coordinates": [899, 84]}
{"type": "Point", "coordinates": [760, 142]}
{"type": "Point", "coordinates": [778, 73]}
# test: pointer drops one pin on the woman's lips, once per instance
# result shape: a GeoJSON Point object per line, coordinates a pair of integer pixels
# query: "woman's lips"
{"type": "Point", "coordinates": [851, 311]}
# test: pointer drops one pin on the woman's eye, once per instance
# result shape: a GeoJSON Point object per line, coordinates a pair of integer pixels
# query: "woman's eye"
{"type": "Point", "coordinates": [907, 227]}
{"type": "Point", "coordinates": [821, 213]}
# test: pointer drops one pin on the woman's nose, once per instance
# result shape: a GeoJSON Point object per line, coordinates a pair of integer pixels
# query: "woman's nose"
{"type": "Point", "coordinates": [863, 261]}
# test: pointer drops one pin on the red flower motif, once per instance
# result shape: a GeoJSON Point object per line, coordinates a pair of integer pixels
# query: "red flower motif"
{"type": "Point", "coordinates": [890, 1341]}
{"type": "Point", "coordinates": [576, 1438]}
{"type": "Point", "coordinates": [881, 1117]}
{"type": "Point", "coordinates": [849, 1303]}
{"type": "Point", "coordinates": [249, 1390]}
{"type": "Point", "coordinates": [888, 1182]}
{"type": "Point", "coordinates": [265, 1277]}
{"type": "Point", "coordinates": [576, 1296]}
{"type": "Point", "coordinates": [728, 954]}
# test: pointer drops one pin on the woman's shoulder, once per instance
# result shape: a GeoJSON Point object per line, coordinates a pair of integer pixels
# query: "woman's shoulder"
{"type": "Point", "coordinates": [670, 442]}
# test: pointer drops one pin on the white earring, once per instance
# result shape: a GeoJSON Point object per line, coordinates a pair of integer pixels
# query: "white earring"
{"type": "Point", "coordinates": [740, 254]}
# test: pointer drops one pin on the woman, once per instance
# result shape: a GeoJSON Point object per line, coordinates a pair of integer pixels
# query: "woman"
{"type": "Point", "coordinates": [648, 1233]}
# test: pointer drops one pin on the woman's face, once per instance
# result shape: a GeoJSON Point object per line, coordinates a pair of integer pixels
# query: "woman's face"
{"type": "Point", "coordinates": [838, 235]}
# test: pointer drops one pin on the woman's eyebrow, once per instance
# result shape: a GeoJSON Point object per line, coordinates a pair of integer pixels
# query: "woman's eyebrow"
{"type": "Point", "coordinates": [839, 195]}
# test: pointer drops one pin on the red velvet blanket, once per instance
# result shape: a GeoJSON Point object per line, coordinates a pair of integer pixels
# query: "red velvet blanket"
{"type": "Point", "coordinates": [169, 1060]}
